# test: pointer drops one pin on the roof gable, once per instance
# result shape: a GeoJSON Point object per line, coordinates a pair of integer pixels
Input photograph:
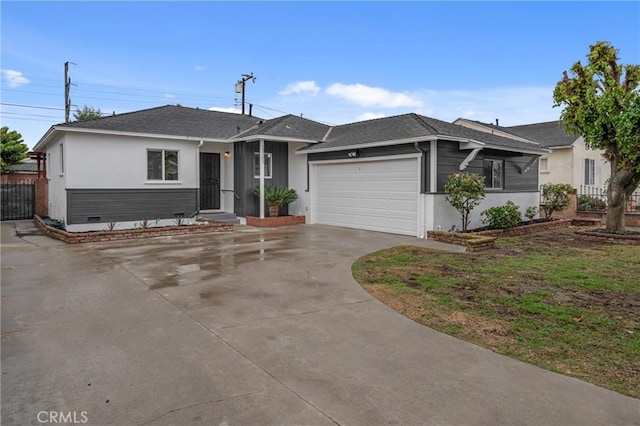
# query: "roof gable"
{"type": "Point", "coordinates": [290, 127]}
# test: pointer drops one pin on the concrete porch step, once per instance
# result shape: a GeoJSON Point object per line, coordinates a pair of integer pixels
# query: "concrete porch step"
{"type": "Point", "coordinates": [220, 217]}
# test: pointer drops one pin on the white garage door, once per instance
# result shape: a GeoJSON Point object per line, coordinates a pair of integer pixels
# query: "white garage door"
{"type": "Point", "coordinates": [372, 195]}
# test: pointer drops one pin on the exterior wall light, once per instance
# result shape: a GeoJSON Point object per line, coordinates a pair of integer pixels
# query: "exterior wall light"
{"type": "Point", "coordinates": [227, 154]}
{"type": "Point", "coordinates": [352, 154]}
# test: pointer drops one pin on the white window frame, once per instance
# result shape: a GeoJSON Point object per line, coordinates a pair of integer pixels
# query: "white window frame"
{"type": "Point", "coordinates": [490, 184]}
{"type": "Point", "coordinates": [589, 171]}
{"type": "Point", "coordinates": [61, 159]}
{"type": "Point", "coordinates": [268, 165]}
{"type": "Point", "coordinates": [544, 161]}
{"type": "Point", "coordinates": [163, 163]}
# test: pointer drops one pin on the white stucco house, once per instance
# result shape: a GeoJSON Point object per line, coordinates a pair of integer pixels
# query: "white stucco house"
{"type": "Point", "coordinates": [569, 160]}
{"type": "Point", "coordinates": [385, 175]}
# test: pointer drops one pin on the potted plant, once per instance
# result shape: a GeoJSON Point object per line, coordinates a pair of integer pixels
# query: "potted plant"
{"type": "Point", "coordinates": [276, 197]}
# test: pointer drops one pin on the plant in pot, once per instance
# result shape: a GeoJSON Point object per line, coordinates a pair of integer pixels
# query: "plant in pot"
{"type": "Point", "coordinates": [276, 197]}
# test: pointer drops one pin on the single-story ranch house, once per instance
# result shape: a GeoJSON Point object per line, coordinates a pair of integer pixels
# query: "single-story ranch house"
{"type": "Point", "coordinates": [385, 174]}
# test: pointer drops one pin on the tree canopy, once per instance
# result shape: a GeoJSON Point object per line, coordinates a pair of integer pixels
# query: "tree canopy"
{"type": "Point", "coordinates": [601, 102]}
{"type": "Point", "coordinates": [12, 149]}
{"type": "Point", "coordinates": [87, 113]}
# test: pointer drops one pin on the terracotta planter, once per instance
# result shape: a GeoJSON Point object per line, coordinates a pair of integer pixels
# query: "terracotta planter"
{"type": "Point", "coordinates": [273, 211]}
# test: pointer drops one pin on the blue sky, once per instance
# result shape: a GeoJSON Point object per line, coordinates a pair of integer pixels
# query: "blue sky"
{"type": "Point", "coordinates": [334, 62]}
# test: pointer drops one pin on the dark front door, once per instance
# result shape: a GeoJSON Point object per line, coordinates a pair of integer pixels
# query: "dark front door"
{"type": "Point", "coordinates": [209, 181]}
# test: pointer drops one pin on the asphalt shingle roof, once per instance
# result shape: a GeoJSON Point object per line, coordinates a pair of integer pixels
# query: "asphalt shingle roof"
{"type": "Point", "coordinates": [549, 134]}
{"type": "Point", "coordinates": [408, 126]}
{"type": "Point", "coordinates": [289, 126]}
{"type": "Point", "coordinates": [173, 120]}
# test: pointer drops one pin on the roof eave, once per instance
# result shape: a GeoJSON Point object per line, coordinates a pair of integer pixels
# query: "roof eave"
{"type": "Point", "coordinates": [137, 134]}
{"type": "Point", "coordinates": [253, 138]}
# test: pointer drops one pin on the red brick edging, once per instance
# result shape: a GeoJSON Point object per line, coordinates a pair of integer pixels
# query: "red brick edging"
{"type": "Point", "coordinates": [622, 239]}
{"type": "Point", "coordinates": [483, 240]}
{"type": "Point", "coordinates": [269, 222]}
{"type": "Point", "coordinates": [127, 234]}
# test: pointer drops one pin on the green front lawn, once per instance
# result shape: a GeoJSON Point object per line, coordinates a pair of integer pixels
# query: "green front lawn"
{"type": "Point", "coordinates": [565, 304]}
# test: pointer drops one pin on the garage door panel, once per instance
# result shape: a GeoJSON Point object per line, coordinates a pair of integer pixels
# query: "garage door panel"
{"type": "Point", "coordinates": [376, 195]}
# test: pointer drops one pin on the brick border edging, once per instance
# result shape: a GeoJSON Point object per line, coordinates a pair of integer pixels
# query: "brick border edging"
{"type": "Point", "coordinates": [483, 240]}
{"type": "Point", "coordinates": [621, 239]}
{"type": "Point", "coordinates": [127, 234]}
{"type": "Point", "coordinates": [269, 222]}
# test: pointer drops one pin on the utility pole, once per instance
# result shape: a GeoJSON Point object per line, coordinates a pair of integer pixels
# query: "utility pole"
{"type": "Point", "coordinates": [241, 84]}
{"type": "Point", "coordinates": [67, 87]}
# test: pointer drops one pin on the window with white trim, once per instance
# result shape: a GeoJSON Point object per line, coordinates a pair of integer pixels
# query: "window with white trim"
{"type": "Point", "coordinates": [544, 165]}
{"type": "Point", "coordinates": [589, 171]}
{"type": "Point", "coordinates": [494, 173]}
{"type": "Point", "coordinates": [162, 164]}
{"type": "Point", "coordinates": [268, 162]}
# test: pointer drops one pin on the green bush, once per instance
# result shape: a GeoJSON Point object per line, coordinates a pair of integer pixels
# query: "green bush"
{"type": "Point", "coordinates": [502, 217]}
{"type": "Point", "coordinates": [591, 203]}
{"type": "Point", "coordinates": [556, 197]}
{"type": "Point", "coordinates": [464, 192]}
{"type": "Point", "coordinates": [531, 212]}
{"type": "Point", "coordinates": [276, 197]}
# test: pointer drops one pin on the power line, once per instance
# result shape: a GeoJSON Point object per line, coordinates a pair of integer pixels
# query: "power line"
{"type": "Point", "coordinates": [31, 106]}
{"type": "Point", "coordinates": [27, 115]}
{"type": "Point", "coordinates": [33, 119]}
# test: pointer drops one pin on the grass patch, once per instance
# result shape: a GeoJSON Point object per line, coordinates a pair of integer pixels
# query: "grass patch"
{"type": "Point", "coordinates": [568, 305]}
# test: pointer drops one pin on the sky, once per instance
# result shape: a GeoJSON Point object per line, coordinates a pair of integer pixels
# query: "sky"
{"type": "Point", "coordinates": [334, 62]}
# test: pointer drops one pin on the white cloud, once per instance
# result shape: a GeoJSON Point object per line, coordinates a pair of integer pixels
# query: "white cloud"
{"type": "Point", "coordinates": [14, 78]}
{"type": "Point", "coordinates": [301, 87]}
{"type": "Point", "coordinates": [370, 116]}
{"type": "Point", "coordinates": [373, 96]}
{"type": "Point", "coordinates": [169, 96]}
{"type": "Point", "coordinates": [233, 110]}
{"type": "Point", "coordinates": [199, 68]}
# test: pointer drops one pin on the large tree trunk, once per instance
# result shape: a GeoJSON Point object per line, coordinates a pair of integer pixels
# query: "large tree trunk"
{"type": "Point", "coordinates": [621, 185]}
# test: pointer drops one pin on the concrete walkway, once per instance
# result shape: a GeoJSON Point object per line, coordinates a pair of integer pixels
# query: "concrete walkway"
{"type": "Point", "coordinates": [263, 327]}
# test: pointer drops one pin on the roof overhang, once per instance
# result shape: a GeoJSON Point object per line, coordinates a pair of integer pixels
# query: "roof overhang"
{"type": "Point", "coordinates": [60, 129]}
{"type": "Point", "coordinates": [259, 137]}
{"type": "Point", "coordinates": [464, 144]}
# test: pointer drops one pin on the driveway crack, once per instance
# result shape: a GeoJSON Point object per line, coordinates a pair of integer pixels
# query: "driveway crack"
{"type": "Point", "coordinates": [213, 401]}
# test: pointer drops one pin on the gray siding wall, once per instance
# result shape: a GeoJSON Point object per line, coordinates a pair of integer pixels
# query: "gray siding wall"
{"type": "Point", "coordinates": [102, 205]}
{"type": "Point", "coordinates": [450, 157]}
{"type": "Point", "coordinates": [244, 179]}
{"type": "Point", "coordinates": [382, 151]}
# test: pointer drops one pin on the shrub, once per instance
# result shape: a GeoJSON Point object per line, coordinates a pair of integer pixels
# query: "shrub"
{"type": "Point", "coordinates": [502, 217]}
{"type": "Point", "coordinates": [276, 197]}
{"type": "Point", "coordinates": [556, 198]}
{"type": "Point", "coordinates": [591, 203]}
{"type": "Point", "coordinates": [531, 212]}
{"type": "Point", "coordinates": [464, 192]}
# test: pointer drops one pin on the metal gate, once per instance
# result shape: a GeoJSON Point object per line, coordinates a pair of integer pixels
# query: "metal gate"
{"type": "Point", "coordinates": [18, 201]}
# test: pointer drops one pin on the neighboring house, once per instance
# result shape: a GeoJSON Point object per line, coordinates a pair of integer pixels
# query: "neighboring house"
{"type": "Point", "coordinates": [384, 175]}
{"type": "Point", "coordinates": [569, 161]}
{"type": "Point", "coordinates": [26, 171]}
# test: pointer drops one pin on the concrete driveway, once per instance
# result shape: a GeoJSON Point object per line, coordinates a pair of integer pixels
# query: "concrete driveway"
{"type": "Point", "coordinates": [262, 327]}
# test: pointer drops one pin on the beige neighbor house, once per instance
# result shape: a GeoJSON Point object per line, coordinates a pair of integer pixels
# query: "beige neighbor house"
{"type": "Point", "coordinates": [569, 161]}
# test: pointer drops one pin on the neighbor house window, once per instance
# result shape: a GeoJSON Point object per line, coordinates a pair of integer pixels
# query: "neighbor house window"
{"type": "Point", "coordinates": [544, 165]}
{"type": "Point", "coordinates": [61, 158]}
{"type": "Point", "coordinates": [493, 173]}
{"type": "Point", "coordinates": [589, 171]}
{"type": "Point", "coordinates": [162, 165]}
{"type": "Point", "coordinates": [267, 165]}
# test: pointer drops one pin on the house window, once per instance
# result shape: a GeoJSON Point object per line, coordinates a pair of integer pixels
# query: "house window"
{"type": "Point", "coordinates": [267, 165]}
{"type": "Point", "coordinates": [589, 171]}
{"type": "Point", "coordinates": [162, 165]}
{"type": "Point", "coordinates": [544, 165]}
{"type": "Point", "coordinates": [61, 158]}
{"type": "Point", "coordinates": [493, 173]}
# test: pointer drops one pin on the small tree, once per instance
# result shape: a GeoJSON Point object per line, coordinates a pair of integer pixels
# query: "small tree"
{"type": "Point", "coordinates": [12, 149]}
{"type": "Point", "coordinates": [556, 196]}
{"type": "Point", "coordinates": [464, 192]}
{"type": "Point", "coordinates": [87, 113]}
